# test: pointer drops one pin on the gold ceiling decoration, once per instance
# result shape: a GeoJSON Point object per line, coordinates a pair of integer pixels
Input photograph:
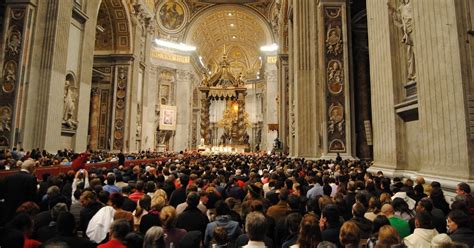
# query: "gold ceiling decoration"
{"type": "Point", "coordinates": [240, 29]}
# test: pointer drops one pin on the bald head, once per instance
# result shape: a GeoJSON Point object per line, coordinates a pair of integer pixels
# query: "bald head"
{"type": "Point", "coordinates": [387, 210]}
{"type": "Point", "coordinates": [420, 180]}
{"type": "Point", "coordinates": [29, 165]}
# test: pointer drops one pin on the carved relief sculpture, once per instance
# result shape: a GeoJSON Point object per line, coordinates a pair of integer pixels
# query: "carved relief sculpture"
{"type": "Point", "coordinates": [14, 42]}
{"type": "Point", "coordinates": [336, 118]}
{"type": "Point", "coordinates": [335, 77]}
{"type": "Point", "coordinates": [69, 110]}
{"type": "Point", "coordinates": [334, 40]}
{"type": "Point", "coordinates": [9, 76]}
{"type": "Point", "coordinates": [403, 18]}
{"type": "Point", "coordinates": [5, 119]}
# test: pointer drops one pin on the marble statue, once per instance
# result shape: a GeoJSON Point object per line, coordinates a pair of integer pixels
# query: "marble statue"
{"type": "Point", "coordinates": [69, 106]}
{"type": "Point", "coordinates": [404, 19]}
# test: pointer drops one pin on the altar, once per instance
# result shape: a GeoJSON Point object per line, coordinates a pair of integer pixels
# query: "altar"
{"type": "Point", "coordinates": [226, 132]}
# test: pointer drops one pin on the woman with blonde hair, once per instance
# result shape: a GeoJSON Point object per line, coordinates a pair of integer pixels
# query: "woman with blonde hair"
{"type": "Point", "coordinates": [152, 218]}
{"type": "Point", "coordinates": [388, 236]}
{"type": "Point", "coordinates": [168, 220]}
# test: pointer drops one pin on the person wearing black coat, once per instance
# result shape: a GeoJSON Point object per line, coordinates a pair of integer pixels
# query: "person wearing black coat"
{"type": "Point", "coordinates": [66, 232]}
{"type": "Point", "coordinates": [458, 224]}
{"type": "Point", "coordinates": [179, 195]}
{"type": "Point", "coordinates": [18, 188]}
{"type": "Point", "coordinates": [192, 219]}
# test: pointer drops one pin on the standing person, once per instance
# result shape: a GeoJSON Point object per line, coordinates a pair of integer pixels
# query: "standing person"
{"type": "Point", "coordinates": [256, 226]}
{"type": "Point", "coordinates": [18, 188]}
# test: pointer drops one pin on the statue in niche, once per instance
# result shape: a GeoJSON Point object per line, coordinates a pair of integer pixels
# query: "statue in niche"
{"type": "Point", "coordinates": [403, 18]}
{"type": "Point", "coordinates": [69, 109]}
{"type": "Point", "coordinates": [5, 119]}
{"type": "Point", "coordinates": [139, 121]}
{"type": "Point", "coordinates": [334, 40]}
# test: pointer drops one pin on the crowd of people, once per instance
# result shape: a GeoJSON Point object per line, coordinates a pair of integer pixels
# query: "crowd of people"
{"type": "Point", "coordinates": [251, 200]}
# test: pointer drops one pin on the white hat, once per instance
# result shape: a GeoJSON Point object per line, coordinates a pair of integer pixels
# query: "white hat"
{"type": "Point", "coordinates": [411, 203]}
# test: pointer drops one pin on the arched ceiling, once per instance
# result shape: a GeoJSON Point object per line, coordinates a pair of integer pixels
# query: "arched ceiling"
{"type": "Point", "coordinates": [239, 29]}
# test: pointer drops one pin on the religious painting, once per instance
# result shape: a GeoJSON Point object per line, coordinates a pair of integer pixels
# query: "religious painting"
{"type": "Point", "coordinates": [172, 15]}
{"type": "Point", "coordinates": [167, 117]}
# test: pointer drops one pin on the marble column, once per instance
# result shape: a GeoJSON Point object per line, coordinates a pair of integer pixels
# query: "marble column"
{"type": "Point", "coordinates": [283, 101]}
{"type": "Point", "coordinates": [184, 107]}
{"type": "Point", "coordinates": [305, 110]}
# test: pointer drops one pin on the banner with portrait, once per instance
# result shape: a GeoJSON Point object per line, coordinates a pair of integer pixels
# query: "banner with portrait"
{"type": "Point", "coordinates": [167, 117]}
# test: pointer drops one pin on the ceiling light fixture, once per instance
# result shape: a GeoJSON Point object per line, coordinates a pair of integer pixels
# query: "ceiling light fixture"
{"type": "Point", "coordinates": [178, 46]}
{"type": "Point", "coordinates": [269, 48]}
{"type": "Point", "coordinates": [229, 14]}
{"type": "Point", "coordinates": [234, 37]}
{"type": "Point", "coordinates": [232, 25]}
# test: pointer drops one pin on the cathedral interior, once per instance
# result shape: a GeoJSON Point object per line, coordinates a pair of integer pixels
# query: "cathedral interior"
{"type": "Point", "coordinates": [390, 81]}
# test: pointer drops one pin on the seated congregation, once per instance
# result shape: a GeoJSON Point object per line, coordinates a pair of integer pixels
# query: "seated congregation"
{"type": "Point", "coordinates": [231, 201]}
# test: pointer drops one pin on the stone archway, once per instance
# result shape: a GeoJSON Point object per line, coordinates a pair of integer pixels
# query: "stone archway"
{"type": "Point", "coordinates": [111, 77]}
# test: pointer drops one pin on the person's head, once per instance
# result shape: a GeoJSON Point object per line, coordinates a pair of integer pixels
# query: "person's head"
{"type": "Point", "coordinates": [309, 235]}
{"type": "Point", "coordinates": [349, 235]}
{"type": "Point", "coordinates": [463, 189]}
{"type": "Point", "coordinates": [388, 236]}
{"type": "Point", "coordinates": [379, 221]}
{"type": "Point", "coordinates": [193, 199]}
{"type": "Point", "coordinates": [29, 207]}
{"type": "Point", "coordinates": [87, 197]}
{"type": "Point", "coordinates": [425, 204]}
{"type": "Point", "coordinates": [292, 222]}
{"type": "Point", "coordinates": [256, 226]}
{"type": "Point", "coordinates": [358, 210]}
{"type": "Point", "coordinates": [57, 209]}
{"type": "Point", "coordinates": [457, 219]}
{"type": "Point", "coordinates": [420, 180]}
{"type": "Point", "coordinates": [29, 165]}
{"type": "Point", "coordinates": [66, 223]}
{"type": "Point", "coordinates": [116, 200]}
{"type": "Point", "coordinates": [330, 216]}
{"type": "Point", "coordinates": [154, 237]}
{"type": "Point", "coordinates": [168, 216]}
{"type": "Point", "coordinates": [283, 196]}
{"type": "Point", "coordinates": [400, 205]}
{"type": "Point", "coordinates": [222, 208]}
{"type": "Point", "coordinates": [424, 220]}
{"type": "Point", "coordinates": [184, 180]}
{"type": "Point", "coordinates": [119, 229]}
{"type": "Point", "coordinates": [387, 210]}
{"type": "Point", "coordinates": [111, 179]}
{"type": "Point", "coordinates": [140, 186]}
{"type": "Point", "coordinates": [134, 240]}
